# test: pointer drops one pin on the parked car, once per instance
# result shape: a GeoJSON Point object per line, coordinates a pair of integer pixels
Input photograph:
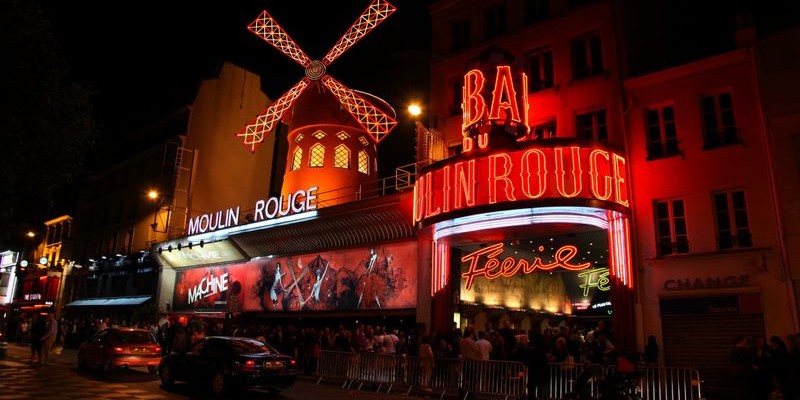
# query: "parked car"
{"type": "Point", "coordinates": [120, 347]}
{"type": "Point", "coordinates": [230, 362]}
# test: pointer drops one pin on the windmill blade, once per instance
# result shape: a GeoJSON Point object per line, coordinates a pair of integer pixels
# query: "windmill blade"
{"type": "Point", "coordinates": [253, 134]}
{"type": "Point", "coordinates": [378, 11]}
{"type": "Point", "coordinates": [265, 27]}
{"type": "Point", "coordinates": [377, 123]}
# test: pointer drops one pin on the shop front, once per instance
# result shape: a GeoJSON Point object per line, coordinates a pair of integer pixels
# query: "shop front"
{"type": "Point", "coordinates": [349, 264]}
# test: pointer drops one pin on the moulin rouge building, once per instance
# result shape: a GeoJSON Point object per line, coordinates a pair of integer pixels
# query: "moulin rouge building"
{"type": "Point", "coordinates": [568, 195]}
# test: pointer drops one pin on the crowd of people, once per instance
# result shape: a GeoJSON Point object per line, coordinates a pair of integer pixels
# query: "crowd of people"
{"type": "Point", "coordinates": [767, 368]}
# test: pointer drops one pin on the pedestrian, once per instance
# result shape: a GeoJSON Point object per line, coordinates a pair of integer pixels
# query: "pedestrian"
{"type": "Point", "coordinates": [426, 362]}
{"type": "Point", "coordinates": [651, 351]}
{"type": "Point", "coordinates": [48, 339]}
{"type": "Point", "coordinates": [38, 330]}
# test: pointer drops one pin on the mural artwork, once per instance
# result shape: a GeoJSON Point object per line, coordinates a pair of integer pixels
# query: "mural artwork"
{"type": "Point", "coordinates": [370, 278]}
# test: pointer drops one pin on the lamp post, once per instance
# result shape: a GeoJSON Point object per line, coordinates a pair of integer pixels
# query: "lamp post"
{"type": "Point", "coordinates": [158, 201]}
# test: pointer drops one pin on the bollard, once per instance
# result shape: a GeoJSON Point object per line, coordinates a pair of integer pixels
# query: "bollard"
{"type": "Point", "coordinates": [3, 349]}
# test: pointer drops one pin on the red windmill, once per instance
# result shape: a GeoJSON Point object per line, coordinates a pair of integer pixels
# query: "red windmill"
{"type": "Point", "coordinates": [375, 121]}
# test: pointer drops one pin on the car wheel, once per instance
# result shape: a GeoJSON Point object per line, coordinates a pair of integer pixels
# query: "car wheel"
{"type": "Point", "coordinates": [218, 383]}
{"type": "Point", "coordinates": [165, 375]}
{"type": "Point", "coordinates": [151, 369]}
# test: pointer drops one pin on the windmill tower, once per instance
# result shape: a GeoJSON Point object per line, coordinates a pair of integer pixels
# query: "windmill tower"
{"type": "Point", "coordinates": [333, 130]}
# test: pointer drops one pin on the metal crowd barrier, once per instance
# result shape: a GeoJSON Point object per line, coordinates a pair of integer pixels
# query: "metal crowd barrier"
{"type": "Point", "coordinates": [492, 377]}
{"type": "Point", "coordinates": [667, 383]}
{"type": "Point", "coordinates": [563, 378]}
{"type": "Point", "coordinates": [495, 378]}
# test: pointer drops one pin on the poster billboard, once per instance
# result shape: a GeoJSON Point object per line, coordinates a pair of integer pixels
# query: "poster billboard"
{"type": "Point", "coordinates": [366, 278]}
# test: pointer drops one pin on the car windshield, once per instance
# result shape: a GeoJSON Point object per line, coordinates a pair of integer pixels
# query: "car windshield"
{"type": "Point", "coordinates": [251, 347]}
{"type": "Point", "coordinates": [134, 337]}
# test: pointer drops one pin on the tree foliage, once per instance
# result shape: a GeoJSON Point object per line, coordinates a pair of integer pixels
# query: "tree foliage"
{"type": "Point", "coordinates": [45, 121]}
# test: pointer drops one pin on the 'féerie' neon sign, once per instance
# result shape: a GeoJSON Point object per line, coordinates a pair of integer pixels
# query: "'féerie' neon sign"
{"type": "Point", "coordinates": [493, 268]}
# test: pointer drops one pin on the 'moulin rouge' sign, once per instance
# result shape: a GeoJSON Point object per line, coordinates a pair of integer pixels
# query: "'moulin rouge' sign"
{"type": "Point", "coordinates": [528, 174]}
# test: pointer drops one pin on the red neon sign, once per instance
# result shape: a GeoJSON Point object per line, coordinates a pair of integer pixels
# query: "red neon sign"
{"type": "Point", "coordinates": [507, 102]}
{"type": "Point", "coordinates": [565, 172]}
{"type": "Point", "coordinates": [493, 268]}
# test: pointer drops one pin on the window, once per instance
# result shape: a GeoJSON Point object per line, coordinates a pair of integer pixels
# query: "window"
{"type": "Point", "coordinates": [592, 125]}
{"type": "Point", "coordinates": [363, 162]}
{"type": "Point", "coordinates": [544, 130]}
{"type": "Point", "coordinates": [458, 96]}
{"type": "Point", "coordinates": [299, 138]}
{"type": "Point", "coordinates": [297, 158]}
{"type": "Point", "coordinates": [536, 10]}
{"type": "Point", "coordinates": [670, 218]}
{"type": "Point", "coordinates": [719, 124]}
{"type": "Point", "coordinates": [540, 70]}
{"type": "Point", "coordinates": [494, 21]}
{"type": "Point", "coordinates": [662, 140]}
{"type": "Point", "coordinates": [733, 229]}
{"type": "Point", "coordinates": [587, 56]}
{"type": "Point", "coordinates": [342, 135]}
{"type": "Point", "coordinates": [460, 35]}
{"type": "Point", "coordinates": [341, 157]}
{"type": "Point", "coordinates": [363, 140]}
{"type": "Point", "coordinates": [319, 134]}
{"type": "Point", "coordinates": [317, 159]}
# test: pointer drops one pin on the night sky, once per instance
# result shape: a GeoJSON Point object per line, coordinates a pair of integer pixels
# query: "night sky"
{"type": "Point", "coordinates": [147, 59]}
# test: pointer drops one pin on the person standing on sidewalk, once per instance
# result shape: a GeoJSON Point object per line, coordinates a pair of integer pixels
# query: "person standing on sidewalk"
{"type": "Point", "coordinates": [49, 339]}
{"type": "Point", "coordinates": [38, 330]}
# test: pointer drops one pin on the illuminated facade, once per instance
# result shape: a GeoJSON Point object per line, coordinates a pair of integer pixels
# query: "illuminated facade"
{"type": "Point", "coordinates": [528, 221]}
{"type": "Point", "coordinates": [694, 217]}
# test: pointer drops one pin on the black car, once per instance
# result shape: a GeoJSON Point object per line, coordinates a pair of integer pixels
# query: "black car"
{"type": "Point", "coordinates": [229, 363]}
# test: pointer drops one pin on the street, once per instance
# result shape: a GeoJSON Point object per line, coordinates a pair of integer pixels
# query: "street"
{"type": "Point", "coordinates": [20, 379]}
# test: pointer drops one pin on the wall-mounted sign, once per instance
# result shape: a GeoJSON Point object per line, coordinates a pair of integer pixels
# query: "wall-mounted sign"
{"type": "Point", "coordinates": [209, 253]}
{"type": "Point", "coordinates": [501, 100]}
{"type": "Point", "coordinates": [552, 280]}
{"type": "Point", "coordinates": [485, 263]}
{"type": "Point", "coordinates": [32, 296]}
{"type": "Point", "coordinates": [274, 207]}
{"type": "Point", "coordinates": [533, 173]}
{"type": "Point", "coordinates": [714, 282]}
{"type": "Point", "coordinates": [369, 278]}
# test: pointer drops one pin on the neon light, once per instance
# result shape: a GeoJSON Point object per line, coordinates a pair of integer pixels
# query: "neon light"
{"type": "Point", "coordinates": [441, 267]}
{"type": "Point", "coordinates": [520, 217]}
{"type": "Point", "coordinates": [594, 278]}
{"type": "Point", "coordinates": [429, 207]}
{"type": "Point", "coordinates": [504, 104]}
{"type": "Point", "coordinates": [465, 184]}
{"type": "Point", "coordinates": [483, 140]}
{"type": "Point", "coordinates": [504, 97]}
{"type": "Point", "coordinates": [492, 268]}
{"type": "Point", "coordinates": [419, 198]}
{"type": "Point", "coordinates": [377, 123]}
{"type": "Point", "coordinates": [269, 223]}
{"type": "Point", "coordinates": [619, 245]}
{"type": "Point", "coordinates": [594, 172]}
{"type": "Point", "coordinates": [494, 176]}
{"type": "Point", "coordinates": [446, 188]}
{"type": "Point", "coordinates": [541, 172]}
{"type": "Point", "coordinates": [619, 180]}
{"type": "Point", "coordinates": [561, 172]}
{"type": "Point", "coordinates": [473, 104]}
{"type": "Point", "coordinates": [533, 173]}
{"type": "Point", "coordinates": [467, 144]}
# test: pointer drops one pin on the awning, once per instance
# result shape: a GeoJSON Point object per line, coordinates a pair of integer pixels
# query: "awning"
{"type": "Point", "coordinates": [110, 301]}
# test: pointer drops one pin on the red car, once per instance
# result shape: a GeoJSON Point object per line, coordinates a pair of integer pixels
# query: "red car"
{"type": "Point", "coordinates": [120, 347]}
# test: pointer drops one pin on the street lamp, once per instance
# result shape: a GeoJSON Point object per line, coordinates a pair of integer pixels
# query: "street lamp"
{"type": "Point", "coordinates": [158, 201]}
